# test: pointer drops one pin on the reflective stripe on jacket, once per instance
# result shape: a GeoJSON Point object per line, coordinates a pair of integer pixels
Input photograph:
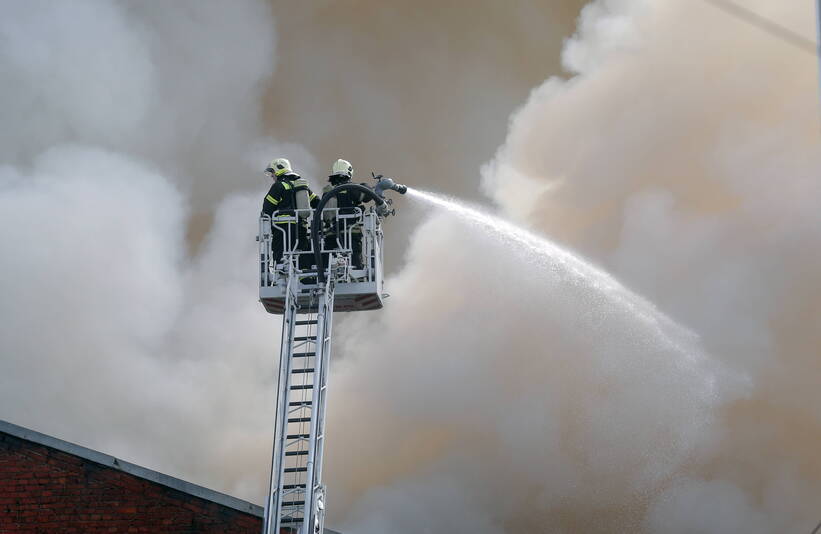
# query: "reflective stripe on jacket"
{"type": "Point", "coordinates": [279, 198]}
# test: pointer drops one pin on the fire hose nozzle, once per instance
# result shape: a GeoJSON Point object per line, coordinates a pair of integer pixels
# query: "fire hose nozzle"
{"type": "Point", "coordinates": [383, 184]}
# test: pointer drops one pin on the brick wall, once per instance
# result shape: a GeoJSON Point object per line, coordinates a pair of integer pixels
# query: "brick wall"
{"type": "Point", "coordinates": [43, 490]}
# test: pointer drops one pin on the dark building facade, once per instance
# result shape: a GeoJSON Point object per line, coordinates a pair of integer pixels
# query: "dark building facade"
{"type": "Point", "coordinates": [48, 485]}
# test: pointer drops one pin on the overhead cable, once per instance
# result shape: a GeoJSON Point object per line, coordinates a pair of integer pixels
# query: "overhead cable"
{"type": "Point", "coordinates": [763, 23]}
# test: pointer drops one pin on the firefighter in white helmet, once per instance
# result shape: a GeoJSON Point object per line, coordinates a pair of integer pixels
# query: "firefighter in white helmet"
{"type": "Point", "coordinates": [288, 203]}
{"type": "Point", "coordinates": [349, 203]}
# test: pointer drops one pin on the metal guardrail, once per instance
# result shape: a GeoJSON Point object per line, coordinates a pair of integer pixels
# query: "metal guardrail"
{"type": "Point", "coordinates": [340, 230]}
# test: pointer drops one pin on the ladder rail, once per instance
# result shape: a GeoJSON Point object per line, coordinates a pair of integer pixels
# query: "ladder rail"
{"type": "Point", "coordinates": [290, 510]}
{"type": "Point", "coordinates": [324, 392]}
{"type": "Point", "coordinates": [314, 492]}
{"type": "Point", "coordinates": [273, 503]}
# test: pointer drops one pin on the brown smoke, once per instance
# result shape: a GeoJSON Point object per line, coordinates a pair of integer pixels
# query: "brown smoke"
{"type": "Point", "coordinates": [420, 91]}
{"type": "Point", "coordinates": [683, 156]}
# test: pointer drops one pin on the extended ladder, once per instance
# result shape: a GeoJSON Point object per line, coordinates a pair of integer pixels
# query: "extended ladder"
{"type": "Point", "coordinates": [296, 496]}
{"type": "Point", "coordinates": [296, 499]}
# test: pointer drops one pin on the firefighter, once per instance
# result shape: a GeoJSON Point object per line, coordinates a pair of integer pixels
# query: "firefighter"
{"type": "Point", "coordinates": [347, 202]}
{"type": "Point", "coordinates": [288, 193]}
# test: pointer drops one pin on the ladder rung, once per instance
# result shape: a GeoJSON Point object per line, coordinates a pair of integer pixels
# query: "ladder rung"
{"type": "Point", "coordinates": [303, 354]}
{"type": "Point", "coordinates": [299, 403]}
{"type": "Point", "coordinates": [303, 386]}
{"type": "Point", "coordinates": [302, 371]}
{"type": "Point", "coordinates": [293, 486]}
{"type": "Point", "coordinates": [296, 469]}
{"type": "Point", "coordinates": [293, 503]}
{"type": "Point", "coordinates": [296, 453]}
{"type": "Point", "coordinates": [302, 323]}
{"type": "Point", "coordinates": [297, 436]}
{"type": "Point", "coordinates": [299, 419]}
{"type": "Point", "coordinates": [305, 338]}
{"type": "Point", "coordinates": [284, 520]}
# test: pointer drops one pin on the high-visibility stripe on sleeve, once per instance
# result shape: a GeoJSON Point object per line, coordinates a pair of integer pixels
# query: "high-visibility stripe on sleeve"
{"type": "Point", "coordinates": [271, 199]}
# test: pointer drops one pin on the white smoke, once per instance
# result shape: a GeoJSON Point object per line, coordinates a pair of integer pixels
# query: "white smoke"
{"type": "Point", "coordinates": [117, 118]}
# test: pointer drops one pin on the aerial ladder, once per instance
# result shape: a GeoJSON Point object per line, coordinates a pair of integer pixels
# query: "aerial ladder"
{"type": "Point", "coordinates": [307, 298]}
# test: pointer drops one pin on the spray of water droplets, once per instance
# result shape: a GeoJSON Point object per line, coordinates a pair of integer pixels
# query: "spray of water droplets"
{"type": "Point", "coordinates": [553, 260]}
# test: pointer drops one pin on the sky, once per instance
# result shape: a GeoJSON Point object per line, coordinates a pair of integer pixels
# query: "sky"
{"type": "Point", "coordinates": [673, 148]}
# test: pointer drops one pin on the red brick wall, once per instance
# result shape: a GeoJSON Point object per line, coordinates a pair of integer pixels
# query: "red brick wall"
{"type": "Point", "coordinates": [43, 490]}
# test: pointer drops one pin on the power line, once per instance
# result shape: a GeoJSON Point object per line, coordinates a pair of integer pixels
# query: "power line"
{"type": "Point", "coordinates": [778, 31]}
{"type": "Point", "coordinates": [768, 26]}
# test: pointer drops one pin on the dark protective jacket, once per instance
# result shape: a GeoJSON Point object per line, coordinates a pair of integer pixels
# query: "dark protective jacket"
{"type": "Point", "coordinates": [346, 201]}
{"type": "Point", "coordinates": [282, 196]}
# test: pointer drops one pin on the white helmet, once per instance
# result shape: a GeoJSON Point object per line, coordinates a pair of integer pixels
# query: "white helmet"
{"type": "Point", "coordinates": [342, 168]}
{"type": "Point", "coordinates": [279, 166]}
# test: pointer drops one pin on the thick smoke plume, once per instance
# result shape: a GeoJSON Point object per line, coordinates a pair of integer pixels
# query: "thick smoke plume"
{"type": "Point", "coordinates": [683, 156]}
{"type": "Point", "coordinates": [118, 117]}
{"type": "Point", "coordinates": [132, 135]}
{"type": "Point", "coordinates": [490, 395]}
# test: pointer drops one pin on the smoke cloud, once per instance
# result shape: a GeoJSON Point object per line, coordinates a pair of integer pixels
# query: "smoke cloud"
{"type": "Point", "coordinates": [119, 120]}
{"type": "Point", "coordinates": [492, 394]}
{"type": "Point", "coordinates": [420, 91]}
{"type": "Point", "coordinates": [687, 167]}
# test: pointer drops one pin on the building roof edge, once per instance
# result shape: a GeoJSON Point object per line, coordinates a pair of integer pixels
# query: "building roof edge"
{"type": "Point", "coordinates": [132, 469]}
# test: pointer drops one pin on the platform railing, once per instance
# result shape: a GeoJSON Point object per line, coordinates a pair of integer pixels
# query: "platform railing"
{"type": "Point", "coordinates": [297, 250]}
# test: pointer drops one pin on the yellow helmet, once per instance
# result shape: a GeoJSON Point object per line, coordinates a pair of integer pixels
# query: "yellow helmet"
{"type": "Point", "coordinates": [342, 168]}
{"type": "Point", "coordinates": [279, 166]}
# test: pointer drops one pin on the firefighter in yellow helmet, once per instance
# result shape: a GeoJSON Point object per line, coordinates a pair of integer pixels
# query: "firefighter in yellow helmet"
{"type": "Point", "coordinates": [348, 202]}
{"type": "Point", "coordinates": [288, 203]}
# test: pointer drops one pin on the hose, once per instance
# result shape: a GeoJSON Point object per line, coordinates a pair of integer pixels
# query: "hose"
{"type": "Point", "coordinates": [316, 230]}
